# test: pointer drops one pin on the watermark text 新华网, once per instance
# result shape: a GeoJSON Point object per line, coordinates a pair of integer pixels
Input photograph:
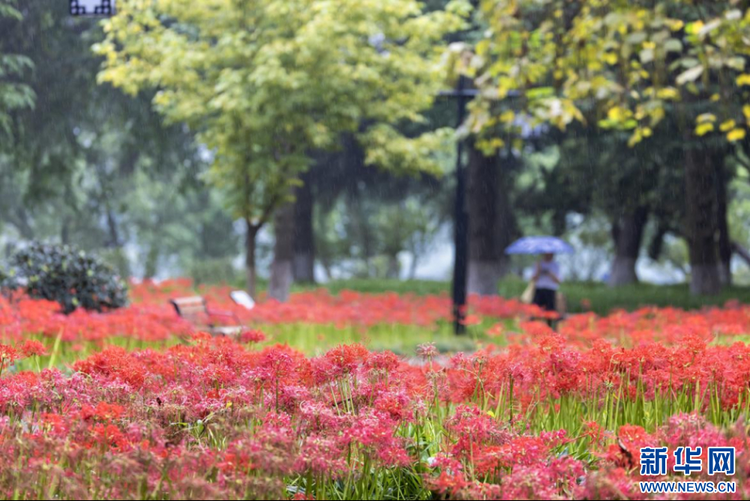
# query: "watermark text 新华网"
{"type": "Point", "coordinates": [688, 460]}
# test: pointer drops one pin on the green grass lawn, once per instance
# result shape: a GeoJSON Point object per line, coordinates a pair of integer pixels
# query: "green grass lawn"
{"type": "Point", "coordinates": [402, 340]}
{"type": "Point", "coordinates": [602, 298]}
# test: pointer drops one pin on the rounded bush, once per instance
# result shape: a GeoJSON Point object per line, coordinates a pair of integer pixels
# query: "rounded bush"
{"type": "Point", "coordinates": [69, 276]}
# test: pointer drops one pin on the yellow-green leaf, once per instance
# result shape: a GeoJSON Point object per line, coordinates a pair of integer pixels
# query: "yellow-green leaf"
{"type": "Point", "coordinates": [736, 135]}
{"type": "Point", "coordinates": [610, 58]}
{"type": "Point", "coordinates": [704, 128]}
{"type": "Point", "coordinates": [728, 125]}
{"type": "Point", "coordinates": [667, 93]}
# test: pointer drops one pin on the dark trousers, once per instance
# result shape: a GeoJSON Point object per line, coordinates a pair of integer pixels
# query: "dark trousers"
{"type": "Point", "coordinates": [545, 299]}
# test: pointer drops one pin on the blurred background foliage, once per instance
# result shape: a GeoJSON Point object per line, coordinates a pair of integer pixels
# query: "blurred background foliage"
{"type": "Point", "coordinates": [85, 164]}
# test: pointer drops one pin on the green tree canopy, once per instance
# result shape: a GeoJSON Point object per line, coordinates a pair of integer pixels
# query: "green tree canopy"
{"type": "Point", "coordinates": [92, 166]}
{"type": "Point", "coordinates": [629, 66]}
{"type": "Point", "coordinates": [623, 64]}
{"type": "Point", "coordinates": [14, 94]}
{"type": "Point", "coordinates": [265, 83]}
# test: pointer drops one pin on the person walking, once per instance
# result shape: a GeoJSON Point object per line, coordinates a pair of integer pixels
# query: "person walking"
{"type": "Point", "coordinates": [546, 283]}
{"type": "Point", "coordinates": [544, 289]}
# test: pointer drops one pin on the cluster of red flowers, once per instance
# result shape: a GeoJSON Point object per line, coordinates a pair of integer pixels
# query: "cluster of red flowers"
{"type": "Point", "coordinates": [552, 367]}
{"type": "Point", "coordinates": [551, 415]}
{"type": "Point", "coordinates": [152, 318]}
{"type": "Point", "coordinates": [214, 419]}
{"type": "Point", "coordinates": [143, 321]}
{"type": "Point", "coordinates": [344, 309]}
{"type": "Point", "coordinates": [665, 325]}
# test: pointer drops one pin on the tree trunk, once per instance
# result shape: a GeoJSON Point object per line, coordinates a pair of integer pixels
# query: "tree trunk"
{"type": "Point", "coordinates": [725, 242]}
{"type": "Point", "coordinates": [700, 218]}
{"type": "Point", "coordinates": [252, 233]}
{"type": "Point", "coordinates": [65, 232]}
{"type": "Point", "coordinates": [394, 267]}
{"type": "Point", "coordinates": [506, 226]}
{"type": "Point", "coordinates": [627, 232]}
{"type": "Point", "coordinates": [656, 245]}
{"type": "Point", "coordinates": [741, 252]}
{"type": "Point", "coordinates": [490, 223]}
{"type": "Point", "coordinates": [283, 254]}
{"type": "Point", "coordinates": [152, 260]}
{"type": "Point", "coordinates": [114, 234]}
{"type": "Point", "coordinates": [21, 220]}
{"type": "Point", "coordinates": [327, 269]}
{"type": "Point", "coordinates": [365, 232]}
{"type": "Point", "coordinates": [304, 241]}
{"type": "Point", "coordinates": [413, 265]}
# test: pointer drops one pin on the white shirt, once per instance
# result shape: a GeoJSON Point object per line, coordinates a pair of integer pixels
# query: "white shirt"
{"type": "Point", "coordinates": [545, 281]}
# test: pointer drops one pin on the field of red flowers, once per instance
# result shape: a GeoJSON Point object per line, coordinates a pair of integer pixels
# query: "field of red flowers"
{"type": "Point", "coordinates": [528, 413]}
{"type": "Point", "coordinates": [152, 318]}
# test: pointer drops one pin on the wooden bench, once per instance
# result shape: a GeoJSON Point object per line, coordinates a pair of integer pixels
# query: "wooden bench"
{"type": "Point", "coordinates": [195, 310]}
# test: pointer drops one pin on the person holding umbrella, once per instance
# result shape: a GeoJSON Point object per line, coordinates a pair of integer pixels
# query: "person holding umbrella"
{"type": "Point", "coordinates": [546, 282]}
{"type": "Point", "coordinates": [546, 279]}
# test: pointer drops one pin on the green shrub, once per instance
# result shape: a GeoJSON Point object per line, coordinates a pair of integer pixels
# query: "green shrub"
{"type": "Point", "coordinates": [68, 276]}
{"type": "Point", "coordinates": [8, 282]}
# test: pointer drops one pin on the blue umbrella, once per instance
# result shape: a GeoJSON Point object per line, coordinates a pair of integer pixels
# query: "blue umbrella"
{"type": "Point", "coordinates": [539, 245]}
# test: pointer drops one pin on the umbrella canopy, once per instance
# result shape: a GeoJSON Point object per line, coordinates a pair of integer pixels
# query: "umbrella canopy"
{"type": "Point", "coordinates": [540, 245]}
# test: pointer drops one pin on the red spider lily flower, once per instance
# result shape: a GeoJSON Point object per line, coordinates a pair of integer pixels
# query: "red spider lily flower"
{"type": "Point", "coordinates": [110, 437]}
{"type": "Point", "coordinates": [427, 351]}
{"type": "Point", "coordinates": [496, 330]}
{"type": "Point", "coordinates": [344, 359]}
{"type": "Point", "coordinates": [252, 336]}
{"type": "Point", "coordinates": [384, 361]}
{"type": "Point", "coordinates": [470, 427]}
{"type": "Point", "coordinates": [55, 424]}
{"type": "Point", "coordinates": [103, 411]}
{"type": "Point", "coordinates": [322, 456]}
{"type": "Point", "coordinates": [202, 337]}
{"type": "Point", "coordinates": [471, 320]}
{"type": "Point", "coordinates": [596, 433]}
{"type": "Point", "coordinates": [32, 348]}
{"type": "Point", "coordinates": [536, 328]}
{"type": "Point", "coordinates": [447, 483]}
{"type": "Point", "coordinates": [8, 356]}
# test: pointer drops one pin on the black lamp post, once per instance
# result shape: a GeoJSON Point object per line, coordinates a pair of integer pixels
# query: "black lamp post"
{"type": "Point", "coordinates": [462, 93]}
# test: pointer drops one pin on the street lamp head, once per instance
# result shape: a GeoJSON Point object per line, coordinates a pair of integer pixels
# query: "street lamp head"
{"type": "Point", "coordinates": [103, 8]}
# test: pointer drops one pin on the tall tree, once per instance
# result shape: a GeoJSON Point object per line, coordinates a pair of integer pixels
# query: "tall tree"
{"type": "Point", "coordinates": [93, 166]}
{"type": "Point", "coordinates": [722, 207]}
{"type": "Point", "coordinates": [492, 223]}
{"type": "Point", "coordinates": [282, 272]}
{"type": "Point", "coordinates": [366, 218]}
{"type": "Point", "coordinates": [14, 93]}
{"type": "Point", "coordinates": [303, 262]}
{"type": "Point", "coordinates": [262, 97]}
{"type": "Point", "coordinates": [627, 65]}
